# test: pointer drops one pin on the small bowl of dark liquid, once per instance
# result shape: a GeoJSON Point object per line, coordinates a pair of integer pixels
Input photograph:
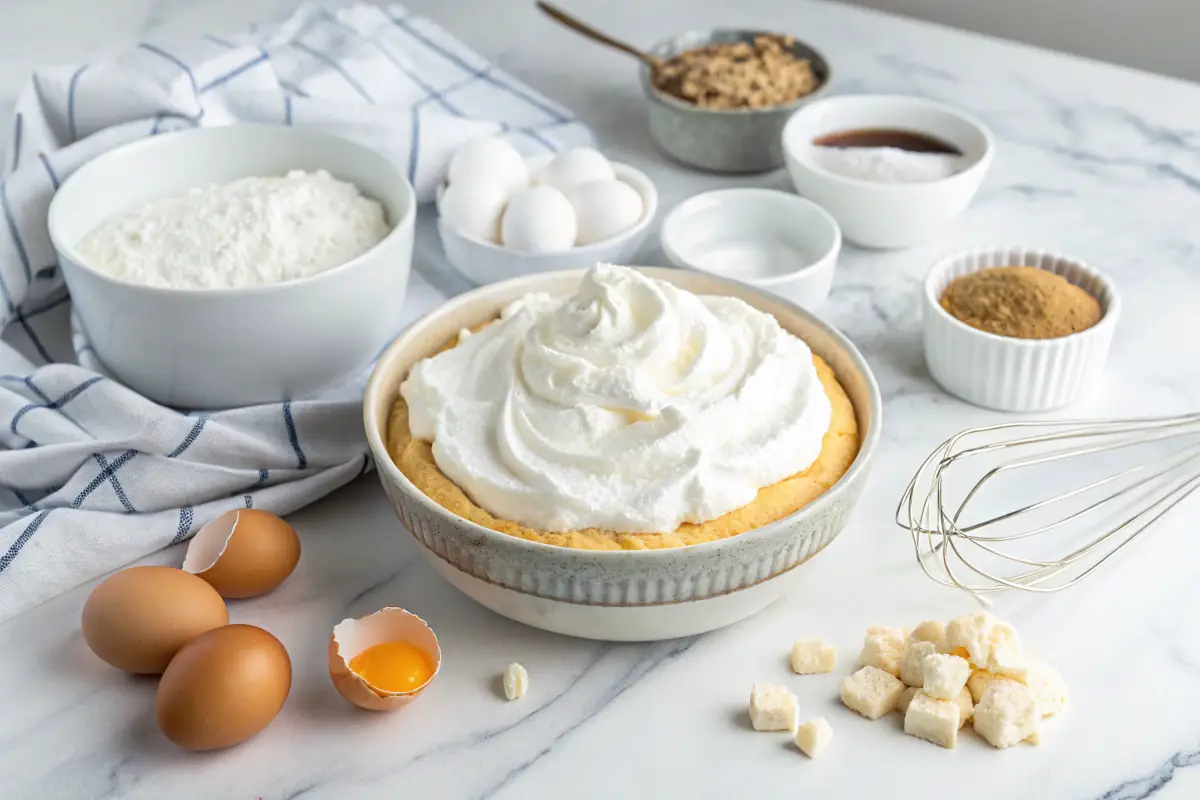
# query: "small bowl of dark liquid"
{"type": "Point", "coordinates": [892, 170]}
{"type": "Point", "coordinates": [894, 138]}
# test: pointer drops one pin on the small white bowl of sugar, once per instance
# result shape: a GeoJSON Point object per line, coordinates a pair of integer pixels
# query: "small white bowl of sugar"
{"type": "Point", "coordinates": [773, 240]}
{"type": "Point", "coordinates": [892, 169]}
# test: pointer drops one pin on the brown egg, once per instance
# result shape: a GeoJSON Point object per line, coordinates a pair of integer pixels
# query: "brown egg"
{"type": "Point", "coordinates": [139, 618]}
{"type": "Point", "coordinates": [223, 687]}
{"type": "Point", "coordinates": [243, 553]}
{"type": "Point", "coordinates": [352, 637]}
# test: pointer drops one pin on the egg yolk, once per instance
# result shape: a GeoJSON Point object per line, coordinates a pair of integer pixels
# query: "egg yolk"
{"type": "Point", "coordinates": [393, 666]}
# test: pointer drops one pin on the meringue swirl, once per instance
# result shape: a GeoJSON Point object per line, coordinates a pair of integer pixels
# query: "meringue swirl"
{"type": "Point", "coordinates": [632, 406]}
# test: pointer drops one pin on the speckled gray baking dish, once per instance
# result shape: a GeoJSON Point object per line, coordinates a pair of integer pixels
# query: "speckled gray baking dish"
{"type": "Point", "coordinates": [619, 595]}
{"type": "Point", "coordinates": [740, 141]}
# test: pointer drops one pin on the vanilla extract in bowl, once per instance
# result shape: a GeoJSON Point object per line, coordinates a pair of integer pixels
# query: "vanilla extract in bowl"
{"type": "Point", "coordinates": [896, 138]}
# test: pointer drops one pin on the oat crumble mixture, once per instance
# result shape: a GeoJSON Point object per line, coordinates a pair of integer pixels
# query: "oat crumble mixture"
{"type": "Point", "coordinates": [738, 75]}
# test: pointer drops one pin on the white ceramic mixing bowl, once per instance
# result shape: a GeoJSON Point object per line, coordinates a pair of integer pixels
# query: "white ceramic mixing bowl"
{"type": "Point", "coordinates": [220, 348]}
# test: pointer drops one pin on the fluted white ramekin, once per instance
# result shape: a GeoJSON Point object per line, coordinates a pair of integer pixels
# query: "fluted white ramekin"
{"type": "Point", "coordinates": [1011, 374]}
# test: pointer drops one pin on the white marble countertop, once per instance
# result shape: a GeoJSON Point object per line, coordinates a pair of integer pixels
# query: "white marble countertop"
{"type": "Point", "coordinates": [1094, 161]}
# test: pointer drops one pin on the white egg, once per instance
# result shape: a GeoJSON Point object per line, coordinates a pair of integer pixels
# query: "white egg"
{"type": "Point", "coordinates": [489, 159]}
{"type": "Point", "coordinates": [604, 209]}
{"type": "Point", "coordinates": [474, 208]}
{"type": "Point", "coordinates": [575, 167]}
{"type": "Point", "coordinates": [539, 220]}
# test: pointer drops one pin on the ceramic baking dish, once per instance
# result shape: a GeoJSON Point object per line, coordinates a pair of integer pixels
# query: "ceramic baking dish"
{"type": "Point", "coordinates": [619, 595]}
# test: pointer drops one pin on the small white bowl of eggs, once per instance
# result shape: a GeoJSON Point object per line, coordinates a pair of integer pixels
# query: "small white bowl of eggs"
{"type": "Point", "coordinates": [501, 215]}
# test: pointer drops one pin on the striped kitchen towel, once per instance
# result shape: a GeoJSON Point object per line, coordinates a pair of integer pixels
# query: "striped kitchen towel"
{"type": "Point", "coordinates": [93, 476]}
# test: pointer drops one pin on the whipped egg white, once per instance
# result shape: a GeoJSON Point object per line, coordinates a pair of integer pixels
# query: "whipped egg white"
{"type": "Point", "coordinates": [632, 406]}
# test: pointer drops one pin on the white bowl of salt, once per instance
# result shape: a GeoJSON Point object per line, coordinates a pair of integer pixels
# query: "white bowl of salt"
{"type": "Point", "coordinates": [772, 240]}
{"type": "Point", "coordinates": [891, 169]}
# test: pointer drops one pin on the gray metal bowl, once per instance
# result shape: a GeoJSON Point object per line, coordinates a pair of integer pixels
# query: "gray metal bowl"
{"type": "Point", "coordinates": [721, 140]}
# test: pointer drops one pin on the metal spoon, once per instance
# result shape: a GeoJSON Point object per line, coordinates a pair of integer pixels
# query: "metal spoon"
{"type": "Point", "coordinates": [650, 60]}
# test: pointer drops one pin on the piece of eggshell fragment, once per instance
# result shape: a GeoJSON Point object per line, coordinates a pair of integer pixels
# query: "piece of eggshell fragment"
{"type": "Point", "coordinates": [243, 553]}
{"type": "Point", "coordinates": [353, 636]}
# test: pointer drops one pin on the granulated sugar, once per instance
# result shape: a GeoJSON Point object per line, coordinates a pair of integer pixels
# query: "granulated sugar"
{"type": "Point", "coordinates": [887, 164]}
{"type": "Point", "coordinates": [249, 232]}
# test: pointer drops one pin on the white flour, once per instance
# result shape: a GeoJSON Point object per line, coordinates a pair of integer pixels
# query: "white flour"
{"type": "Point", "coordinates": [249, 232]}
{"type": "Point", "coordinates": [887, 164]}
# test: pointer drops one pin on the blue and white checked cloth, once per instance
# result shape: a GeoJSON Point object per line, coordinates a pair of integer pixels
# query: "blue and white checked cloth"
{"type": "Point", "coordinates": [93, 476]}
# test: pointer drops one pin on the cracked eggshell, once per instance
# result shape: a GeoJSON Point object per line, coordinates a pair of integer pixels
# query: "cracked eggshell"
{"type": "Point", "coordinates": [243, 553]}
{"type": "Point", "coordinates": [352, 636]}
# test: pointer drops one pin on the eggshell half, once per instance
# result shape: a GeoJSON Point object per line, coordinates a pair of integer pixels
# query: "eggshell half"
{"type": "Point", "coordinates": [352, 636]}
{"type": "Point", "coordinates": [243, 553]}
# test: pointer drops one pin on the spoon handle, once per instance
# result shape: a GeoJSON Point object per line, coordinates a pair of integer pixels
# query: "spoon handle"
{"type": "Point", "coordinates": [603, 38]}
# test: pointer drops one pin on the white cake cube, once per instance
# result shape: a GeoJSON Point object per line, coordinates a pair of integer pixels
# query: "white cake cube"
{"type": "Point", "coordinates": [905, 698]}
{"type": "Point", "coordinates": [813, 657]}
{"type": "Point", "coordinates": [1013, 669]}
{"type": "Point", "coordinates": [813, 736]}
{"type": "Point", "coordinates": [1048, 688]}
{"type": "Point", "coordinates": [772, 708]}
{"type": "Point", "coordinates": [515, 681]}
{"type": "Point", "coordinates": [912, 665]}
{"type": "Point", "coordinates": [930, 631]}
{"type": "Point", "coordinates": [933, 720]}
{"type": "Point", "coordinates": [979, 680]}
{"type": "Point", "coordinates": [1007, 714]}
{"type": "Point", "coordinates": [988, 642]}
{"type": "Point", "coordinates": [1043, 680]}
{"type": "Point", "coordinates": [945, 676]}
{"type": "Point", "coordinates": [883, 648]}
{"type": "Point", "coordinates": [966, 708]}
{"type": "Point", "coordinates": [871, 692]}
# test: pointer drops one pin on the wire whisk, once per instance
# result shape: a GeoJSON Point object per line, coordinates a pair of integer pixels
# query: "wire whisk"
{"type": "Point", "coordinates": [1055, 501]}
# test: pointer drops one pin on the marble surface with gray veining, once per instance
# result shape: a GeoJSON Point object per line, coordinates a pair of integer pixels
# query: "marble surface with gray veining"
{"type": "Point", "coordinates": [1094, 161]}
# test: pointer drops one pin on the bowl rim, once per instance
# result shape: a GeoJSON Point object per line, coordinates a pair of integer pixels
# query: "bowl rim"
{"type": "Point", "coordinates": [645, 189]}
{"type": "Point", "coordinates": [1112, 310]}
{"type": "Point", "coordinates": [821, 64]}
{"type": "Point", "coordinates": [794, 154]}
{"type": "Point", "coordinates": [388, 471]}
{"type": "Point", "coordinates": [67, 251]}
{"type": "Point", "coordinates": [739, 194]}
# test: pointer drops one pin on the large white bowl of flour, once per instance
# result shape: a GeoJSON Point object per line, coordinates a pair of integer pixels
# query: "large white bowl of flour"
{"type": "Point", "coordinates": [237, 265]}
